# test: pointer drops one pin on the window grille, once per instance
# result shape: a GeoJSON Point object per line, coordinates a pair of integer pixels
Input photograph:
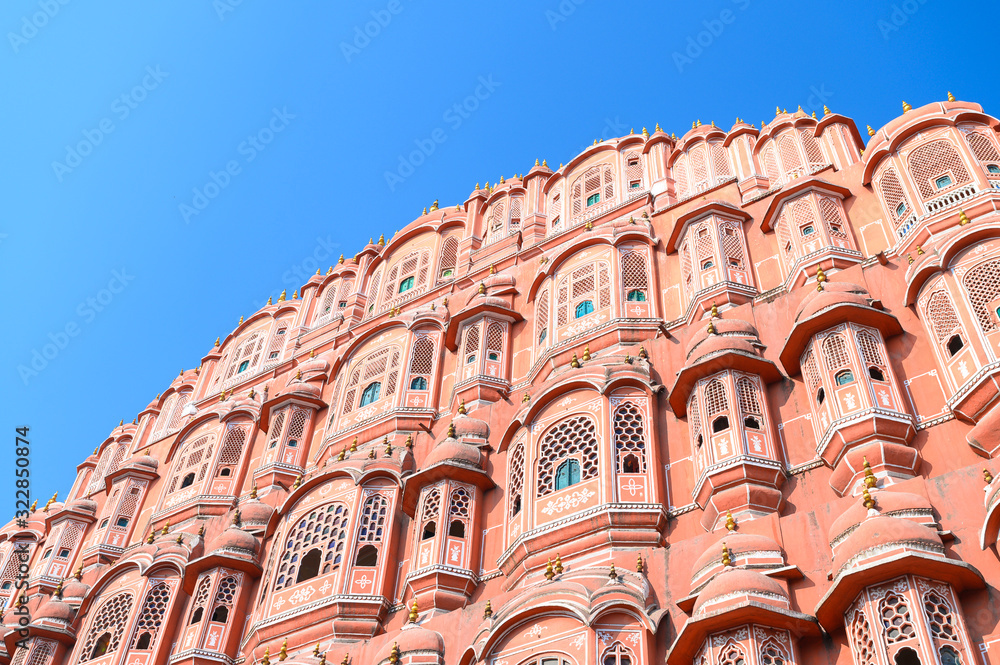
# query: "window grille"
{"type": "Point", "coordinates": [573, 437]}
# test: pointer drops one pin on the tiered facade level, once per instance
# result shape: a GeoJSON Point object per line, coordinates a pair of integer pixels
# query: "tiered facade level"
{"type": "Point", "coordinates": [721, 399]}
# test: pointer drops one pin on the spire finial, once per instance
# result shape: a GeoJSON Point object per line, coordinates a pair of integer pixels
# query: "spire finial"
{"type": "Point", "coordinates": [869, 502]}
{"type": "Point", "coordinates": [726, 558]}
{"type": "Point", "coordinates": [266, 660]}
{"type": "Point", "coordinates": [354, 445]}
{"type": "Point", "coordinates": [613, 574]}
{"type": "Point", "coordinates": [820, 278]}
{"type": "Point", "coordinates": [963, 219]}
{"type": "Point", "coordinates": [575, 362]}
{"type": "Point", "coordinates": [549, 570]}
{"type": "Point", "coordinates": [871, 132]}
{"type": "Point", "coordinates": [409, 441]}
{"type": "Point", "coordinates": [414, 611]}
{"type": "Point", "coordinates": [461, 407]}
{"type": "Point", "coordinates": [451, 431]}
{"type": "Point", "coordinates": [645, 133]}
{"type": "Point", "coordinates": [586, 353]}
{"type": "Point", "coordinates": [906, 107]}
{"type": "Point", "coordinates": [951, 97]}
{"type": "Point", "coordinates": [870, 480]}
{"type": "Point", "coordinates": [711, 328]}
{"type": "Point", "coordinates": [730, 521]}
{"type": "Point", "coordinates": [488, 610]}
{"type": "Point", "coordinates": [715, 311]}
{"type": "Point", "coordinates": [166, 528]}
{"type": "Point", "coordinates": [826, 110]}
{"type": "Point", "coordinates": [638, 564]}
{"type": "Point", "coordinates": [558, 567]}
{"type": "Point", "coordinates": [79, 572]}
{"type": "Point", "coordinates": [394, 653]}
{"type": "Point", "coordinates": [283, 654]}
{"type": "Point", "coordinates": [987, 476]}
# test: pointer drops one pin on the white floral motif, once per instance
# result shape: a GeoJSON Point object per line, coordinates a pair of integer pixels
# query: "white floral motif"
{"type": "Point", "coordinates": [567, 501]}
{"type": "Point", "coordinates": [632, 487]}
{"type": "Point", "coordinates": [849, 402]}
{"type": "Point", "coordinates": [579, 641]}
{"type": "Point", "coordinates": [605, 637]}
{"type": "Point", "coordinates": [963, 368]}
{"type": "Point", "coordinates": [302, 595]}
{"type": "Point", "coordinates": [633, 638]}
{"type": "Point", "coordinates": [884, 397]}
{"type": "Point", "coordinates": [536, 631]}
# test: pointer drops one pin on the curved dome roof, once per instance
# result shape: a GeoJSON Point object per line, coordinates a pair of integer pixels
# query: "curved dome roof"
{"type": "Point", "coordinates": [739, 581]}
{"type": "Point", "coordinates": [736, 332]}
{"type": "Point", "coordinates": [878, 533]}
{"type": "Point", "coordinates": [413, 638]}
{"type": "Point", "coordinates": [833, 294]}
{"type": "Point", "coordinates": [471, 427]}
{"type": "Point", "coordinates": [453, 450]}
{"type": "Point", "coordinates": [235, 538]}
{"type": "Point", "coordinates": [256, 512]}
{"type": "Point", "coordinates": [746, 546]}
{"type": "Point", "coordinates": [83, 505]}
{"type": "Point", "coordinates": [888, 503]}
{"type": "Point", "coordinates": [74, 589]}
{"type": "Point", "coordinates": [55, 609]}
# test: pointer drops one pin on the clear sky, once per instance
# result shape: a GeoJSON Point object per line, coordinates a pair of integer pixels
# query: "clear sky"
{"type": "Point", "coordinates": [167, 166]}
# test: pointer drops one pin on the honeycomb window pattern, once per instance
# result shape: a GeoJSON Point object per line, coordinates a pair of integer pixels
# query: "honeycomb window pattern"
{"type": "Point", "coordinates": [732, 654]}
{"type": "Point", "coordinates": [324, 528]}
{"type": "Point", "coordinates": [940, 617]}
{"type": "Point", "coordinates": [151, 617]}
{"type": "Point", "coordinates": [895, 616]}
{"type": "Point", "coordinates": [982, 284]}
{"type": "Point", "coordinates": [109, 623]}
{"type": "Point", "coordinates": [630, 438]}
{"type": "Point", "coordinates": [772, 654]}
{"type": "Point", "coordinates": [861, 639]}
{"type": "Point", "coordinates": [929, 161]}
{"type": "Point", "coordinates": [573, 437]}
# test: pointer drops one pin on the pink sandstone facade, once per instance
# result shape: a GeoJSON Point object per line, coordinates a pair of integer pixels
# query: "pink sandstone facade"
{"type": "Point", "coordinates": [722, 399]}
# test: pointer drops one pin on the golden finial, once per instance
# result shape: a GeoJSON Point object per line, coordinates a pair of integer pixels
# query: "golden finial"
{"type": "Point", "coordinates": [586, 353]}
{"type": "Point", "coordinates": [269, 300]}
{"type": "Point", "coordinates": [444, 303]}
{"type": "Point", "coordinates": [149, 538]}
{"type": "Point", "coordinates": [545, 163]}
{"type": "Point", "coordinates": [57, 592]}
{"type": "Point", "coordinates": [122, 421]}
{"type": "Point", "coordinates": [826, 110]}
{"type": "Point", "coordinates": [283, 654]}
{"type": "Point", "coordinates": [657, 128]}
{"type": "Point", "coordinates": [295, 294]}
{"type": "Point", "coordinates": [241, 321]}
{"type": "Point", "coordinates": [179, 540]}
{"type": "Point", "coordinates": [777, 111]}
{"type": "Point", "coordinates": [869, 502]}
{"type": "Point", "coordinates": [298, 374]}
{"type": "Point", "coordinates": [216, 341]}
{"type": "Point", "coordinates": [354, 445]}
{"type": "Point", "coordinates": [613, 574]}
{"type": "Point", "coordinates": [711, 328]}
{"type": "Point", "coordinates": [79, 572]}
{"type": "Point", "coordinates": [628, 359]}
{"type": "Point", "coordinates": [715, 311]}
{"type": "Point", "coordinates": [906, 107]}
{"type": "Point", "coordinates": [909, 259]}
{"type": "Point", "coordinates": [536, 161]}
{"type": "Point", "coordinates": [501, 180]}
{"type": "Point", "coordinates": [726, 558]}
{"type": "Point", "coordinates": [394, 653]}
{"type": "Point", "coordinates": [342, 455]}
{"type": "Point", "coordinates": [322, 658]}
{"type": "Point", "coordinates": [222, 396]}
{"type": "Point", "coordinates": [461, 407]}
{"type": "Point", "coordinates": [409, 441]}
{"type": "Point", "coordinates": [482, 288]}
{"type": "Point", "coordinates": [525, 398]}
{"type": "Point", "coordinates": [201, 530]}
{"type": "Point", "coordinates": [642, 352]}
{"type": "Point", "coordinates": [316, 650]}
{"type": "Point", "coordinates": [574, 363]}
{"type": "Point", "coordinates": [963, 219]}
{"type": "Point", "coordinates": [317, 271]}
{"type": "Point", "coordinates": [488, 611]}
{"type": "Point", "coordinates": [549, 572]}
{"type": "Point", "coordinates": [814, 115]}
{"type": "Point", "coordinates": [820, 278]}
{"type": "Point", "coordinates": [493, 269]}
{"type": "Point", "coordinates": [919, 250]}
{"type": "Point", "coordinates": [413, 611]}
{"type": "Point", "coordinates": [34, 506]}
{"type": "Point", "coordinates": [266, 660]}
{"type": "Point", "coordinates": [388, 447]}
{"type": "Point", "coordinates": [329, 269]}
{"type": "Point", "coordinates": [987, 476]}
{"type": "Point", "coordinates": [253, 490]}
{"type": "Point", "coordinates": [345, 661]}
{"type": "Point", "coordinates": [638, 563]}
{"type": "Point", "coordinates": [558, 567]}
{"type": "Point", "coordinates": [951, 97]}
{"type": "Point", "coordinates": [645, 133]}
{"type": "Point", "coordinates": [251, 394]}
{"type": "Point", "coordinates": [730, 521]}
{"type": "Point", "coordinates": [477, 185]}
{"type": "Point", "coordinates": [340, 261]}
{"type": "Point", "coordinates": [281, 298]}
{"type": "Point", "coordinates": [871, 132]}
{"type": "Point", "coordinates": [298, 482]}
{"type": "Point", "coordinates": [870, 480]}
{"type": "Point", "coordinates": [381, 237]}
{"type": "Point", "coordinates": [371, 454]}
{"type": "Point", "coordinates": [589, 226]}
{"type": "Point", "coordinates": [236, 517]}
{"type": "Point", "coordinates": [434, 206]}
{"type": "Point", "coordinates": [595, 143]}
{"type": "Point", "coordinates": [451, 431]}
{"type": "Point", "coordinates": [165, 529]}
{"type": "Point", "coordinates": [50, 501]}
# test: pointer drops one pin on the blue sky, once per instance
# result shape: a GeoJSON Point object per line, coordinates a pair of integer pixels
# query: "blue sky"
{"type": "Point", "coordinates": [169, 165]}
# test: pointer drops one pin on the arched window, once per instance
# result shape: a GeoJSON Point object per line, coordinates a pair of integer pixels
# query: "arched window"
{"type": "Point", "coordinates": [584, 308]}
{"type": "Point", "coordinates": [771, 166]}
{"type": "Point", "coordinates": [871, 355]}
{"type": "Point", "coordinates": [596, 185]}
{"type": "Point", "coordinates": [576, 437]}
{"type": "Point", "coordinates": [720, 161]}
{"type": "Point", "coordinates": [515, 472]}
{"type": "Point", "coordinates": [151, 618]}
{"type": "Point", "coordinates": [430, 510]}
{"type": "Point", "coordinates": [861, 639]}
{"type": "Point", "coordinates": [459, 512]}
{"type": "Point", "coordinates": [982, 285]}
{"type": "Point", "coordinates": [835, 353]}
{"type": "Point", "coordinates": [940, 617]}
{"type": "Point", "coordinates": [323, 530]}
{"type": "Point", "coordinates": [449, 258]}
{"type": "Point", "coordinates": [309, 566]}
{"type": "Point", "coordinates": [843, 378]}
{"type": "Point", "coordinates": [224, 599]}
{"type": "Point", "coordinates": [581, 292]}
{"type": "Point", "coordinates": [568, 473]}
{"type": "Point", "coordinates": [894, 613]}
{"type": "Point", "coordinates": [949, 656]}
{"type": "Point", "coordinates": [617, 654]}
{"type": "Point", "coordinates": [931, 163]}
{"type": "Point", "coordinates": [716, 403]}
{"type": "Point", "coordinates": [732, 245]}
{"type": "Point", "coordinates": [630, 439]}
{"type": "Point", "coordinates": [985, 150]}
{"type": "Point", "coordinates": [380, 367]}
{"type": "Point", "coordinates": [200, 599]}
{"type": "Point", "coordinates": [542, 317]}
{"type": "Point", "coordinates": [373, 288]}
{"type": "Point", "coordinates": [415, 265]}
{"type": "Point", "coordinates": [791, 160]}
{"type": "Point", "coordinates": [944, 323]}
{"type": "Point", "coordinates": [371, 393]}
{"type": "Point", "coordinates": [494, 341]}
{"type": "Point", "coordinates": [732, 654]}
{"type": "Point", "coordinates": [193, 462]}
{"type": "Point", "coordinates": [107, 627]}
{"type": "Point", "coordinates": [245, 357]}
{"type": "Point", "coordinates": [634, 280]}
{"type": "Point", "coordinates": [906, 656]}
{"type": "Point", "coordinates": [771, 653]}
{"type": "Point", "coordinates": [892, 195]}
{"type": "Point", "coordinates": [471, 344]}
{"type": "Point", "coordinates": [421, 363]}
{"type": "Point", "coordinates": [406, 284]}
{"type": "Point", "coordinates": [680, 170]}
{"type": "Point", "coordinates": [371, 530]}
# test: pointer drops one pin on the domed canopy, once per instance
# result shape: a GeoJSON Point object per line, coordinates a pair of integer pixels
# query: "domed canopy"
{"type": "Point", "coordinates": [836, 303]}
{"type": "Point", "coordinates": [744, 549]}
{"type": "Point", "coordinates": [83, 505]}
{"type": "Point", "coordinates": [75, 589]}
{"type": "Point", "coordinates": [55, 610]}
{"type": "Point", "coordinates": [146, 461]}
{"type": "Point", "coordinates": [733, 584]}
{"type": "Point", "coordinates": [879, 533]}
{"type": "Point", "coordinates": [255, 513]}
{"type": "Point", "coordinates": [413, 639]}
{"type": "Point", "coordinates": [235, 538]}
{"type": "Point", "coordinates": [467, 427]}
{"type": "Point", "coordinates": [889, 503]}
